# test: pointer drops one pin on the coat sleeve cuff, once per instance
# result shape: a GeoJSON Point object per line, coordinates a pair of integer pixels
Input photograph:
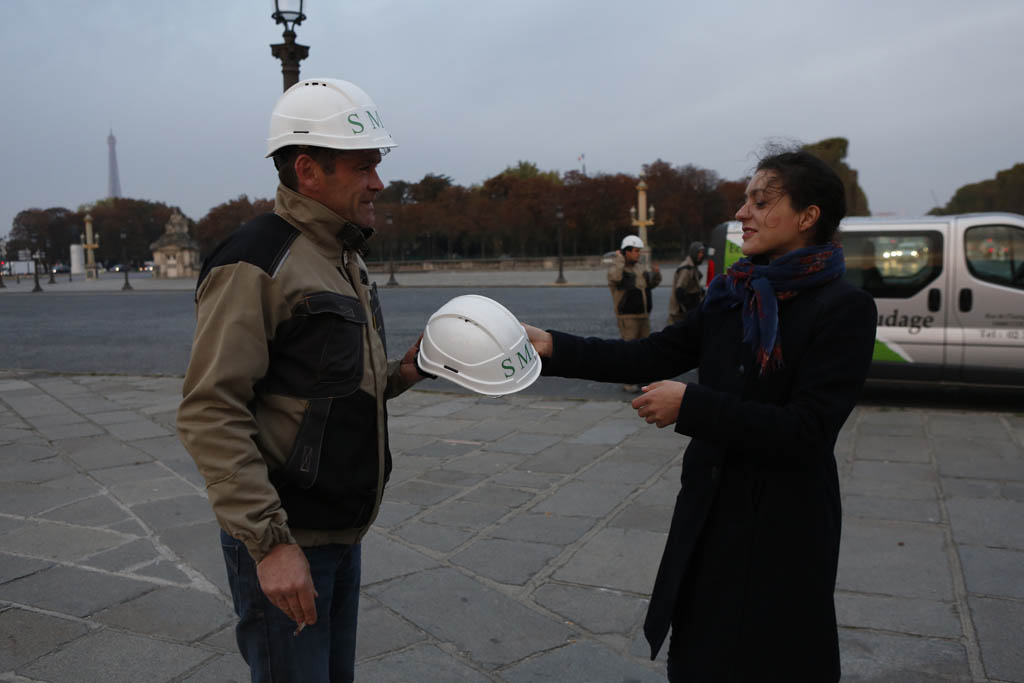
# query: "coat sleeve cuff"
{"type": "Point", "coordinates": [698, 410]}
{"type": "Point", "coordinates": [275, 534]}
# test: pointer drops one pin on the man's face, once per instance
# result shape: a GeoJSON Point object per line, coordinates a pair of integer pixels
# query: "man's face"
{"type": "Point", "coordinates": [351, 189]}
{"type": "Point", "coordinates": [631, 255]}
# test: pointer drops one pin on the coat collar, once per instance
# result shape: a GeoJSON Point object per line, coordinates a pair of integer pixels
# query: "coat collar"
{"type": "Point", "coordinates": [327, 230]}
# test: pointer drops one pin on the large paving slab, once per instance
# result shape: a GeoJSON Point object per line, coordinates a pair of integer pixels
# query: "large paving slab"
{"type": "Point", "coordinates": [1000, 624]}
{"type": "Point", "coordinates": [894, 558]}
{"type": "Point", "coordinates": [582, 661]}
{"type": "Point", "coordinates": [114, 657]}
{"type": "Point", "coordinates": [621, 559]}
{"type": "Point", "coordinates": [877, 657]}
{"type": "Point", "coordinates": [424, 664]}
{"type": "Point", "coordinates": [27, 636]}
{"type": "Point", "coordinates": [491, 628]}
{"type": "Point", "coordinates": [72, 591]}
{"type": "Point", "coordinates": [173, 613]}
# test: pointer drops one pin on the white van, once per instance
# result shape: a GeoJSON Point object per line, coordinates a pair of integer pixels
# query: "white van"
{"type": "Point", "coordinates": [949, 291]}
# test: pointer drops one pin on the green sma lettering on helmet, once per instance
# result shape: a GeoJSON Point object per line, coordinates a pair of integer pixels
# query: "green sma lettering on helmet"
{"type": "Point", "coordinates": [525, 360]}
{"type": "Point", "coordinates": [327, 112]}
{"type": "Point", "coordinates": [477, 343]}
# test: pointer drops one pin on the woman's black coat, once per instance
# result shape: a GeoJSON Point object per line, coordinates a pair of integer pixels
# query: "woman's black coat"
{"type": "Point", "coordinates": [749, 569]}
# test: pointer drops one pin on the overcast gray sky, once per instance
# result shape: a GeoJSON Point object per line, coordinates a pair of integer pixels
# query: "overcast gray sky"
{"type": "Point", "coordinates": [929, 92]}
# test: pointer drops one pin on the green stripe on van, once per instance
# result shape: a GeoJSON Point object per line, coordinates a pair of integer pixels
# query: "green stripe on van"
{"type": "Point", "coordinates": [733, 253]}
{"type": "Point", "coordinates": [884, 353]}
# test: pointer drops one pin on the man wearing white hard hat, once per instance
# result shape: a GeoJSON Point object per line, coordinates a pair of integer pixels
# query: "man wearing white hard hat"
{"type": "Point", "coordinates": [284, 397]}
{"type": "Point", "coordinates": [631, 287]}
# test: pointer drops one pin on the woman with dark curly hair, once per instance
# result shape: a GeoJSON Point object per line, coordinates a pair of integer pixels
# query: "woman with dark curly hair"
{"type": "Point", "coordinates": [783, 345]}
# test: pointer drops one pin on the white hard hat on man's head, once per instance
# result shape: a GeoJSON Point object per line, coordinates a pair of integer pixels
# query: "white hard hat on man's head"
{"type": "Point", "coordinates": [327, 112]}
{"type": "Point", "coordinates": [631, 241]}
{"type": "Point", "coordinates": [478, 344]}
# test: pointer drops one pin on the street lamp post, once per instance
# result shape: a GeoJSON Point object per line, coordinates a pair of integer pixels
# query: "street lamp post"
{"type": "Point", "coordinates": [124, 261]}
{"type": "Point", "coordinates": [289, 13]}
{"type": "Point", "coordinates": [35, 271]}
{"type": "Point", "coordinates": [392, 282]}
{"type": "Point", "coordinates": [643, 219]}
{"type": "Point", "coordinates": [560, 216]}
{"type": "Point", "coordinates": [49, 263]}
{"type": "Point", "coordinates": [90, 243]}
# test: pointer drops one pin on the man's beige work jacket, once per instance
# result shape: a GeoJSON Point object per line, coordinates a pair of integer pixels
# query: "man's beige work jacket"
{"type": "Point", "coordinates": [631, 287]}
{"type": "Point", "coordinates": [283, 407]}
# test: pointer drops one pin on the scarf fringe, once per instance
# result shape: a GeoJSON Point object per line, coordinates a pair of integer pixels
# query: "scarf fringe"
{"type": "Point", "coordinates": [770, 362]}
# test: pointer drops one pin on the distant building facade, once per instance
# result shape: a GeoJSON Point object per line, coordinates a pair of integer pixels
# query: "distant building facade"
{"type": "Point", "coordinates": [175, 254]}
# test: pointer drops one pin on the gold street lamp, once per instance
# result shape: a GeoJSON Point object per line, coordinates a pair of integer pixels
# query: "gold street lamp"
{"type": "Point", "coordinates": [90, 243]}
{"type": "Point", "coordinates": [289, 13]}
{"type": "Point", "coordinates": [642, 219]}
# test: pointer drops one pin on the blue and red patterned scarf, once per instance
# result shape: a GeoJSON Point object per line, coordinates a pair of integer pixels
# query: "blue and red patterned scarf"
{"type": "Point", "coordinates": [759, 288]}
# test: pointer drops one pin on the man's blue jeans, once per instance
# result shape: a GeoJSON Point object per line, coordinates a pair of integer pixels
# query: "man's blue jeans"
{"type": "Point", "coordinates": [322, 653]}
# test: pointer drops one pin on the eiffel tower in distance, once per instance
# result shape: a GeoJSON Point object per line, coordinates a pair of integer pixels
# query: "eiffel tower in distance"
{"type": "Point", "coordinates": [113, 180]}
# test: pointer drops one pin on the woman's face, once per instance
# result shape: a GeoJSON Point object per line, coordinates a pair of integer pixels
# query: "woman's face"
{"type": "Point", "coordinates": [771, 227]}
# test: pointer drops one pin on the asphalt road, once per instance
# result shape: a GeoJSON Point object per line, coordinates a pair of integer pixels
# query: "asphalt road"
{"type": "Point", "coordinates": [150, 332]}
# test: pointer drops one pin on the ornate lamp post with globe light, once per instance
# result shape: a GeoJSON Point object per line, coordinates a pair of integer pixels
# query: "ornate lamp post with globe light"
{"type": "Point", "coordinates": [289, 13]}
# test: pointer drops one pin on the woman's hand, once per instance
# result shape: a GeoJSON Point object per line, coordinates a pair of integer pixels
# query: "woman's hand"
{"type": "Point", "coordinates": [542, 342]}
{"type": "Point", "coordinates": [659, 403]}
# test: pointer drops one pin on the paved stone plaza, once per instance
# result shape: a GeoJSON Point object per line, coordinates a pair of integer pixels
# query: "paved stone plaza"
{"type": "Point", "coordinates": [519, 541]}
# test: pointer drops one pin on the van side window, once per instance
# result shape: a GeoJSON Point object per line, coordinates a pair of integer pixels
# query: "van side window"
{"type": "Point", "coordinates": [995, 253]}
{"type": "Point", "coordinates": [892, 264]}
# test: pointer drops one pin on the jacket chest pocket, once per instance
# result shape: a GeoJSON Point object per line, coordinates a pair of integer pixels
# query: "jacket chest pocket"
{"type": "Point", "coordinates": [318, 352]}
{"type": "Point", "coordinates": [337, 323]}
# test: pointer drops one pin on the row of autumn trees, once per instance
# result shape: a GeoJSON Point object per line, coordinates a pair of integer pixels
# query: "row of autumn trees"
{"type": "Point", "coordinates": [518, 212]}
{"type": "Point", "coordinates": [514, 213]}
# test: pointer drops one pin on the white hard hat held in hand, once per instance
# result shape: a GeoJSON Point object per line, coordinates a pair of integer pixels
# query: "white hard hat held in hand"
{"type": "Point", "coordinates": [327, 112]}
{"type": "Point", "coordinates": [478, 344]}
{"type": "Point", "coordinates": [631, 241]}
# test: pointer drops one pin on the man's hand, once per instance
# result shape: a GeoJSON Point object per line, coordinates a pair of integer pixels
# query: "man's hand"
{"type": "Point", "coordinates": [659, 403]}
{"type": "Point", "coordinates": [285, 580]}
{"type": "Point", "coordinates": [407, 367]}
{"type": "Point", "coordinates": [542, 342]}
